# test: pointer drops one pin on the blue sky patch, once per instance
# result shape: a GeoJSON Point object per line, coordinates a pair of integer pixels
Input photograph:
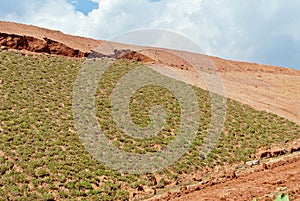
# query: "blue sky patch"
{"type": "Point", "coordinates": [84, 6]}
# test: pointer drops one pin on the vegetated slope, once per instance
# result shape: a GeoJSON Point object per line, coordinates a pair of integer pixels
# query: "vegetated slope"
{"type": "Point", "coordinates": [266, 88]}
{"type": "Point", "coordinates": [41, 154]}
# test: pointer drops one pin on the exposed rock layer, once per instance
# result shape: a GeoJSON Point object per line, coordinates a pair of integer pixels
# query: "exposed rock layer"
{"type": "Point", "coordinates": [18, 42]}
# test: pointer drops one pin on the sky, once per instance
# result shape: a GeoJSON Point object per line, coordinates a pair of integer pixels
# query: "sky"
{"type": "Point", "coordinates": [261, 31]}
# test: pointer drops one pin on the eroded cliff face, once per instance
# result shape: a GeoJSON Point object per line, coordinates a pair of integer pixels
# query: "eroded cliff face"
{"type": "Point", "coordinates": [29, 43]}
{"type": "Point", "coordinates": [46, 45]}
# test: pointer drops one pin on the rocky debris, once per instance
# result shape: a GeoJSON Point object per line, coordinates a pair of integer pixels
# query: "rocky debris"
{"type": "Point", "coordinates": [149, 191]}
{"type": "Point", "coordinates": [118, 54]}
{"type": "Point", "coordinates": [272, 153]}
{"type": "Point", "coordinates": [122, 54]}
{"type": "Point", "coordinates": [295, 146]}
{"type": "Point", "coordinates": [279, 150]}
{"type": "Point", "coordinates": [252, 163]}
{"type": "Point", "coordinates": [239, 166]}
{"type": "Point", "coordinates": [280, 173]}
{"type": "Point", "coordinates": [294, 149]}
{"type": "Point", "coordinates": [198, 176]}
{"type": "Point", "coordinates": [231, 174]}
{"type": "Point", "coordinates": [19, 42]}
{"type": "Point", "coordinates": [141, 192]}
{"type": "Point", "coordinates": [278, 163]}
{"type": "Point", "coordinates": [136, 56]}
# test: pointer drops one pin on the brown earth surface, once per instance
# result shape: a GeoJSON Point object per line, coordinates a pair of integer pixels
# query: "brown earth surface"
{"type": "Point", "coordinates": [264, 182]}
{"type": "Point", "coordinates": [74, 42]}
{"type": "Point", "coordinates": [269, 88]}
{"type": "Point", "coordinates": [275, 172]}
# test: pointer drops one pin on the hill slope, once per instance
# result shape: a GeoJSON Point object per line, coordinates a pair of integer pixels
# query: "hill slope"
{"type": "Point", "coordinates": [42, 157]}
{"type": "Point", "coordinates": [268, 88]}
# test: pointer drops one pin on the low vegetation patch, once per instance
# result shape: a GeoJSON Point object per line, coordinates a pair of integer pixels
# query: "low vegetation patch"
{"type": "Point", "coordinates": [42, 158]}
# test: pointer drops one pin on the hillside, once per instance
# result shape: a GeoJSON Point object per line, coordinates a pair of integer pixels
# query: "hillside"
{"type": "Point", "coordinates": [268, 88]}
{"type": "Point", "coordinates": [43, 158]}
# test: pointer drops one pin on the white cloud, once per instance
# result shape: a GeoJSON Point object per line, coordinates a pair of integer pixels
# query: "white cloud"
{"type": "Point", "coordinates": [265, 31]}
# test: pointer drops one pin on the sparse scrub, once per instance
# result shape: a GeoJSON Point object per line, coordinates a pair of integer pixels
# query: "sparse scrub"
{"type": "Point", "coordinates": [37, 133]}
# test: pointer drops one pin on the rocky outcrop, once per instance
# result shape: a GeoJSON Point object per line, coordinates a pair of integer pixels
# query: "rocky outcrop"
{"type": "Point", "coordinates": [122, 54]}
{"type": "Point", "coordinates": [133, 55]}
{"type": "Point", "coordinates": [46, 45]}
{"type": "Point", "coordinates": [19, 42]}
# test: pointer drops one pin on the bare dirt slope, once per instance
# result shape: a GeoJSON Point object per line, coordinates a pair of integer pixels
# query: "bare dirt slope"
{"type": "Point", "coordinates": [274, 92]}
{"type": "Point", "coordinates": [264, 182]}
{"type": "Point", "coordinates": [269, 88]}
{"type": "Point", "coordinates": [274, 89]}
